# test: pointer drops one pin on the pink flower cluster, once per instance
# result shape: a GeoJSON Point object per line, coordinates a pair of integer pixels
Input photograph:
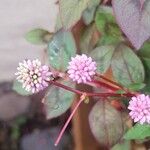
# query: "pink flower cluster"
{"type": "Point", "coordinates": [140, 108]}
{"type": "Point", "coordinates": [81, 68]}
{"type": "Point", "coordinates": [33, 75]}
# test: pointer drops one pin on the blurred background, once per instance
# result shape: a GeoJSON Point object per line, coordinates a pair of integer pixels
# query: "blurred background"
{"type": "Point", "coordinates": [17, 18]}
{"type": "Point", "coordinates": [23, 125]}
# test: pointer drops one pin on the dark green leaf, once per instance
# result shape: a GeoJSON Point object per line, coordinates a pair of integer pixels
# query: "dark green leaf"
{"type": "Point", "coordinates": [38, 36]}
{"type": "Point", "coordinates": [106, 123]}
{"type": "Point", "coordinates": [60, 49]}
{"type": "Point", "coordinates": [145, 50]}
{"type": "Point", "coordinates": [144, 54]}
{"type": "Point", "coordinates": [58, 101]}
{"type": "Point", "coordinates": [103, 55]}
{"type": "Point", "coordinates": [106, 24]}
{"type": "Point", "coordinates": [146, 89]}
{"type": "Point", "coordinates": [127, 68]}
{"type": "Point", "coordinates": [15, 133]}
{"type": "Point", "coordinates": [138, 132]}
{"type": "Point", "coordinates": [146, 62]}
{"type": "Point", "coordinates": [17, 86]}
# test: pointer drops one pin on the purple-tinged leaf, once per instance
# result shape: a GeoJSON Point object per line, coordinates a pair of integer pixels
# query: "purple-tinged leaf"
{"type": "Point", "coordinates": [133, 16]}
{"type": "Point", "coordinates": [106, 124]}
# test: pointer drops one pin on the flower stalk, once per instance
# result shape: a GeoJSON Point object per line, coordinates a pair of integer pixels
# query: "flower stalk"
{"type": "Point", "coordinates": [82, 98]}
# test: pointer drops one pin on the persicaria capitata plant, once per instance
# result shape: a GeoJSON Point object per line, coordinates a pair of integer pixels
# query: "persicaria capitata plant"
{"type": "Point", "coordinates": [104, 45]}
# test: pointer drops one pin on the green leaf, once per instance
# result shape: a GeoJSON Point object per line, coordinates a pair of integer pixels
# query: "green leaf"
{"type": "Point", "coordinates": [144, 54]}
{"type": "Point", "coordinates": [88, 14]}
{"type": "Point", "coordinates": [17, 86]}
{"type": "Point", "coordinates": [89, 39]}
{"type": "Point", "coordinates": [106, 24]}
{"type": "Point", "coordinates": [15, 133]}
{"type": "Point", "coordinates": [58, 101]}
{"type": "Point", "coordinates": [127, 68]}
{"type": "Point", "coordinates": [108, 40]}
{"type": "Point", "coordinates": [120, 91]}
{"type": "Point", "coordinates": [123, 145]}
{"type": "Point", "coordinates": [58, 24]}
{"type": "Point", "coordinates": [146, 62]}
{"type": "Point", "coordinates": [60, 49]}
{"type": "Point", "coordinates": [138, 132]}
{"type": "Point", "coordinates": [136, 86]}
{"type": "Point", "coordinates": [103, 55]}
{"type": "Point", "coordinates": [146, 89]}
{"type": "Point", "coordinates": [145, 50]}
{"type": "Point", "coordinates": [106, 123]}
{"type": "Point", "coordinates": [93, 3]}
{"type": "Point", "coordinates": [71, 11]}
{"type": "Point", "coordinates": [38, 36]}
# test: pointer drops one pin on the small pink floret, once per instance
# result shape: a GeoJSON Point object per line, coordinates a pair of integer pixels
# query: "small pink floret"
{"type": "Point", "coordinates": [33, 75]}
{"type": "Point", "coordinates": [81, 68]}
{"type": "Point", "coordinates": [140, 108]}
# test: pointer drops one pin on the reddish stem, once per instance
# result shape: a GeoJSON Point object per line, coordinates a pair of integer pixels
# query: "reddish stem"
{"type": "Point", "coordinates": [90, 94]}
{"type": "Point", "coordinates": [110, 94]}
{"type": "Point", "coordinates": [68, 121]}
{"type": "Point", "coordinates": [66, 87]}
{"type": "Point", "coordinates": [103, 84]}
{"type": "Point", "coordinates": [110, 81]}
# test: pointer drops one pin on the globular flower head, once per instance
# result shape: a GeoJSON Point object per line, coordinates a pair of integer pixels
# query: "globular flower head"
{"type": "Point", "coordinates": [81, 68]}
{"type": "Point", "coordinates": [33, 75]}
{"type": "Point", "coordinates": [140, 108]}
